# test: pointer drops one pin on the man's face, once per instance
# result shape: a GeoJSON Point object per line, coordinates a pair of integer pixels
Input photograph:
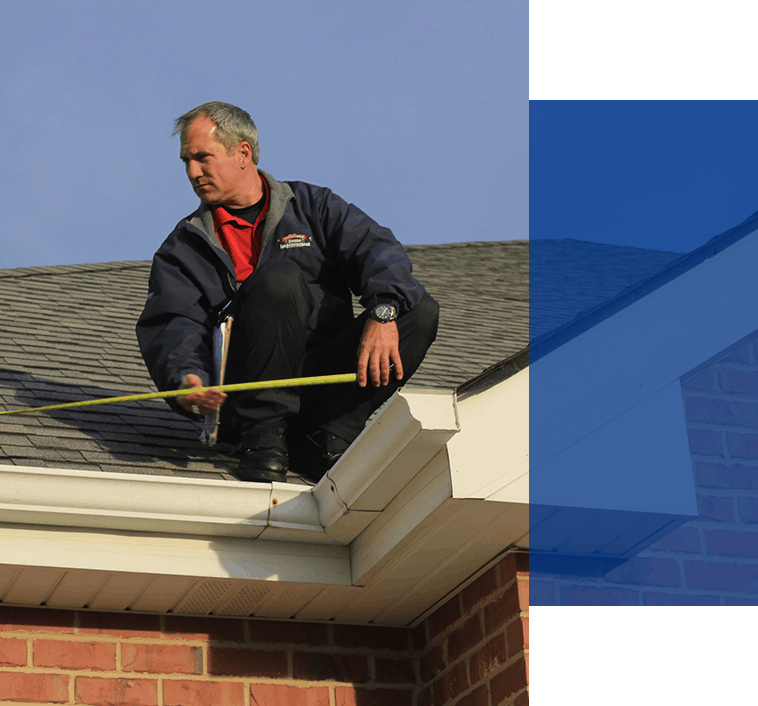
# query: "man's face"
{"type": "Point", "coordinates": [215, 175]}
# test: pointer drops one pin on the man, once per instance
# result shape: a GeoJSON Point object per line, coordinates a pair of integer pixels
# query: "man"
{"type": "Point", "coordinates": [282, 257]}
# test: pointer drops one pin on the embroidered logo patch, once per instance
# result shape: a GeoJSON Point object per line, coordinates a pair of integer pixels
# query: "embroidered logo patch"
{"type": "Point", "coordinates": [295, 240]}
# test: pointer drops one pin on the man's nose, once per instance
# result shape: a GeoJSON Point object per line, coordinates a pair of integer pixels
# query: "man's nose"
{"type": "Point", "coordinates": [193, 170]}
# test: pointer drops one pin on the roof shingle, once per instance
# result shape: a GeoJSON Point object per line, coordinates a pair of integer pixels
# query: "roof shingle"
{"type": "Point", "coordinates": [67, 334]}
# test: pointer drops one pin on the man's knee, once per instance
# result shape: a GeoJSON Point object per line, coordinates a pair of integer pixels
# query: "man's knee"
{"type": "Point", "coordinates": [422, 321]}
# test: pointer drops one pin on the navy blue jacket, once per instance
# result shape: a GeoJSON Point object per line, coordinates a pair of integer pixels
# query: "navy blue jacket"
{"type": "Point", "coordinates": [337, 246]}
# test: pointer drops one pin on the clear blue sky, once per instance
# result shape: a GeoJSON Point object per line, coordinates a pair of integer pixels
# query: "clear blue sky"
{"type": "Point", "coordinates": [414, 110]}
{"type": "Point", "coordinates": [667, 175]}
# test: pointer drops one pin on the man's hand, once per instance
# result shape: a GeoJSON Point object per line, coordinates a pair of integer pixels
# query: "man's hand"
{"type": "Point", "coordinates": [377, 349]}
{"type": "Point", "coordinates": [205, 402]}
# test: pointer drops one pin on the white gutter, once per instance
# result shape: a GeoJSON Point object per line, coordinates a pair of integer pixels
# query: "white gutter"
{"type": "Point", "coordinates": [379, 539]}
{"type": "Point", "coordinates": [408, 432]}
{"type": "Point", "coordinates": [142, 503]}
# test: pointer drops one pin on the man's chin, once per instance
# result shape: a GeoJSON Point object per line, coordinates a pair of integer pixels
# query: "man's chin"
{"type": "Point", "coordinates": [207, 199]}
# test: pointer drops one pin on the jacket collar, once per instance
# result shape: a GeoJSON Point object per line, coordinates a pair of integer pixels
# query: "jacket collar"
{"type": "Point", "coordinates": [281, 194]}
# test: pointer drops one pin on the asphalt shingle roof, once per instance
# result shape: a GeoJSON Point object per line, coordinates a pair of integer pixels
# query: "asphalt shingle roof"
{"type": "Point", "coordinates": [569, 277]}
{"type": "Point", "coordinates": [67, 334]}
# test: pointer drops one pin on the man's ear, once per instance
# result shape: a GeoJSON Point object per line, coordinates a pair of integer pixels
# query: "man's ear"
{"type": "Point", "coordinates": [245, 152]}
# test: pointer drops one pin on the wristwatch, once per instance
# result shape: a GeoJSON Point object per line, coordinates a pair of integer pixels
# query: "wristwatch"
{"type": "Point", "coordinates": [383, 313]}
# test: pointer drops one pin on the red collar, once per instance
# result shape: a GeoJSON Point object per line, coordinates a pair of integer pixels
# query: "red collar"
{"type": "Point", "coordinates": [222, 217]}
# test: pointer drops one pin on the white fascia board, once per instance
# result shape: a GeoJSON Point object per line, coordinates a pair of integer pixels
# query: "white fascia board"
{"type": "Point", "coordinates": [634, 354]}
{"type": "Point", "coordinates": [126, 553]}
{"type": "Point", "coordinates": [492, 450]}
{"type": "Point", "coordinates": [410, 430]}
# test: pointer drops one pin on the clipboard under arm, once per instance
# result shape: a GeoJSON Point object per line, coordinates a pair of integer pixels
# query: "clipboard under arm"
{"type": "Point", "coordinates": [221, 336]}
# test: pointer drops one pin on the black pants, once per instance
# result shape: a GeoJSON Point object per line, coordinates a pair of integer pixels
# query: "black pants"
{"type": "Point", "coordinates": [270, 341]}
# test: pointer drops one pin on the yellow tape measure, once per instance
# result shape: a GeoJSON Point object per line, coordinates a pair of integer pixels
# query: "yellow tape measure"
{"type": "Point", "coordinates": [234, 387]}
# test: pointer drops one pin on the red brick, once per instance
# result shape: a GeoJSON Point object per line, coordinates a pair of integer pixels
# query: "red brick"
{"type": "Point", "coordinates": [372, 637]}
{"type": "Point", "coordinates": [684, 539]}
{"type": "Point", "coordinates": [40, 688]}
{"type": "Point", "coordinates": [726, 543]}
{"type": "Point", "coordinates": [36, 619]}
{"type": "Point", "coordinates": [426, 697]}
{"type": "Point", "coordinates": [598, 595]}
{"type": "Point", "coordinates": [502, 610]}
{"type": "Point", "coordinates": [517, 636]}
{"type": "Point", "coordinates": [705, 442]}
{"type": "Point", "coordinates": [120, 624]}
{"type": "Point", "coordinates": [219, 629]}
{"type": "Point", "coordinates": [487, 659]}
{"type": "Point", "coordinates": [648, 571]}
{"type": "Point", "coordinates": [727, 413]}
{"type": "Point", "coordinates": [748, 509]}
{"type": "Point", "coordinates": [283, 632]}
{"type": "Point", "coordinates": [464, 638]}
{"type": "Point", "coordinates": [394, 671]}
{"type": "Point", "coordinates": [346, 696]}
{"type": "Point", "coordinates": [542, 592]}
{"type": "Point", "coordinates": [74, 655]}
{"type": "Point", "coordinates": [721, 576]}
{"type": "Point", "coordinates": [479, 591]}
{"type": "Point", "coordinates": [443, 618]}
{"type": "Point", "coordinates": [719, 509]}
{"type": "Point", "coordinates": [203, 693]}
{"type": "Point", "coordinates": [688, 598]}
{"type": "Point", "coordinates": [246, 663]}
{"type": "Point", "coordinates": [513, 564]}
{"type": "Point", "coordinates": [419, 637]}
{"type": "Point", "coordinates": [514, 637]}
{"type": "Point", "coordinates": [739, 381]}
{"type": "Point", "coordinates": [719, 475]}
{"type": "Point", "coordinates": [451, 684]}
{"type": "Point", "coordinates": [479, 697]}
{"type": "Point", "coordinates": [12, 652]}
{"type": "Point", "coordinates": [161, 659]}
{"type": "Point", "coordinates": [523, 592]}
{"type": "Point", "coordinates": [521, 699]}
{"type": "Point", "coordinates": [432, 663]}
{"type": "Point", "coordinates": [279, 695]}
{"type": "Point", "coordinates": [116, 692]}
{"type": "Point", "coordinates": [741, 354]}
{"type": "Point", "coordinates": [319, 666]}
{"type": "Point", "coordinates": [701, 381]}
{"type": "Point", "coordinates": [511, 680]}
{"type": "Point", "coordinates": [742, 445]}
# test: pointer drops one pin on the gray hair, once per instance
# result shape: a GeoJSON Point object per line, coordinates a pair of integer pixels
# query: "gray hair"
{"type": "Point", "coordinates": [233, 125]}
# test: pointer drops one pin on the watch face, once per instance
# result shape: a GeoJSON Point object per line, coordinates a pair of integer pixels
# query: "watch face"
{"type": "Point", "coordinates": [383, 312]}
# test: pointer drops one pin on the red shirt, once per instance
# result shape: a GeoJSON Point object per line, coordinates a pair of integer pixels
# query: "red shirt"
{"type": "Point", "coordinates": [240, 239]}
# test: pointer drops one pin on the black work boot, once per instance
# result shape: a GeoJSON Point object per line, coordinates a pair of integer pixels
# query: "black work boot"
{"type": "Point", "coordinates": [321, 451]}
{"type": "Point", "coordinates": [264, 457]}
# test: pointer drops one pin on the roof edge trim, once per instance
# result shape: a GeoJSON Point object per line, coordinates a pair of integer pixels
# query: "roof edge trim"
{"type": "Point", "coordinates": [143, 503]}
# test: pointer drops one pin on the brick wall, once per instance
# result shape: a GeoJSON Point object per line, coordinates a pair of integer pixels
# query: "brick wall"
{"type": "Point", "coordinates": [470, 652]}
{"type": "Point", "coordinates": [49, 656]}
{"type": "Point", "coordinates": [474, 650]}
{"type": "Point", "coordinates": [712, 560]}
